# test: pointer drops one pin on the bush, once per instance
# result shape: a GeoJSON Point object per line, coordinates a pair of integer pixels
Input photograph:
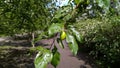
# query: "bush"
{"type": "Point", "coordinates": [102, 40]}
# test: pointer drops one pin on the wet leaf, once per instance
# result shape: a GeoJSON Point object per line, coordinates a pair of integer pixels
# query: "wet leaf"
{"type": "Point", "coordinates": [54, 28]}
{"type": "Point", "coordinates": [72, 43]}
{"type": "Point", "coordinates": [56, 58]}
{"type": "Point", "coordinates": [42, 58]}
{"type": "Point", "coordinates": [77, 35]}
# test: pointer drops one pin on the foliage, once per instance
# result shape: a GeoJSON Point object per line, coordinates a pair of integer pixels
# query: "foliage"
{"type": "Point", "coordinates": [56, 57]}
{"type": "Point", "coordinates": [54, 31]}
{"type": "Point", "coordinates": [20, 16]}
{"type": "Point", "coordinates": [54, 28]}
{"type": "Point", "coordinates": [42, 58]}
{"type": "Point", "coordinates": [72, 43]}
{"type": "Point", "coordinates": [24, 17]}
{"type": "Point", "coordinates": [77, 35]}
{"type": "Point", "coordinates": [102, 39]}
{"type": "Point", "coordinates": [71, 40]}
{"type": "Point", "coordinates": [97, 8]}
{"type": "Point", "coordinates": [60, 25]}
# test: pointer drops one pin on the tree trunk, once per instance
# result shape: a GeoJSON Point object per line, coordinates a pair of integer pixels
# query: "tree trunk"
{"type": "Point", "coordinates": [32, 40]}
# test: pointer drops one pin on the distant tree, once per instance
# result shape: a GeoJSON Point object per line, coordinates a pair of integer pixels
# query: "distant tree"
{"type": "Point", "coordinates": [24, 16]}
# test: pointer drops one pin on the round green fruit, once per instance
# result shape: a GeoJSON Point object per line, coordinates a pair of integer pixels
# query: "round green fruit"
{"type": "Point", "coordinates": [63, 35]}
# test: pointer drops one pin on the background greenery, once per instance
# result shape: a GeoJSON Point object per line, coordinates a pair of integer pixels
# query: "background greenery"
{"type": "Point", "coordinates": [101, 40]}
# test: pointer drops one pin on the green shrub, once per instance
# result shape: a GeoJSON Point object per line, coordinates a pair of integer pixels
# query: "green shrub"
{"type": "Point", "coordinates": [102, 40]}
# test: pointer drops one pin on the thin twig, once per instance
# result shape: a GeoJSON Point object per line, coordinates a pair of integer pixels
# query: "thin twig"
{"type": "Point", "coordinates": [53, 43]}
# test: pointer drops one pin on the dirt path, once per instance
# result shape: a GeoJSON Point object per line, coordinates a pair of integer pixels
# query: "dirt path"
{"type": "Point", "coordinates": [67, 59]}
{"type": "Point", "coordinates": [70, 61]}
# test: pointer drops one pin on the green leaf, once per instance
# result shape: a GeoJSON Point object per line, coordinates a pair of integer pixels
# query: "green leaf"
{"type": "Point", "coordinates": [77, 35]}
{"type": "Point", "coordinates": [42, 58]}
{"type": "Point", "coordinates": [56, 58]}
{"type": "Point", "coordinates": [104, 4]}
{"type": "Point", "coordinates": [72, 43]}
{"type": "Point", "coordinates": [54, 28]}
{"type": "Point", "coordinates": [67, 17]}
{"type": "Point", "coordinates": [100, 3]}
{"type": "Point", "coordinates": [78, 1]}
{"type": "Point", "coordinates": [60, 43]}
{"type": "Point", "coordinates": [58, 14]}
{"type": "Point", "coordinates": [107, 3]}
{"type": "Point", "coordinates": [61, 12]}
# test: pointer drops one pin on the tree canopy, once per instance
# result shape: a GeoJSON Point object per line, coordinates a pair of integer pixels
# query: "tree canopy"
{"type": "Point", "coordinates": [18, 16]}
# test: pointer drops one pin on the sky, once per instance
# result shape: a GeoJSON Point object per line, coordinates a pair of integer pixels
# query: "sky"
{"type": "Point", "coordinates": [62, 2]}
